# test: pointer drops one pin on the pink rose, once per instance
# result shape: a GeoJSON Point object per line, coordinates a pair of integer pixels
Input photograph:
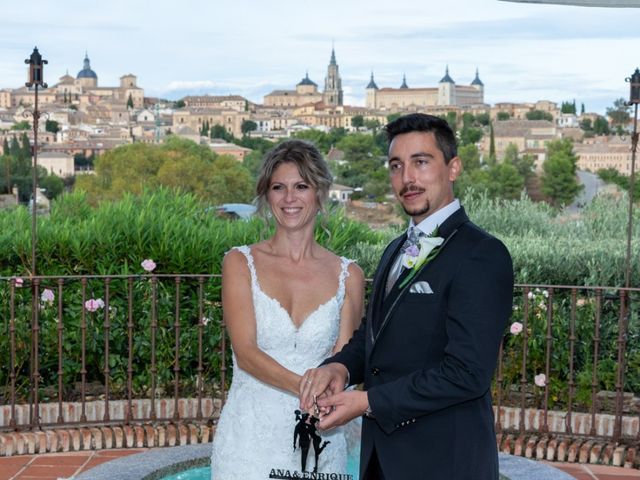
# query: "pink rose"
{"type": "Point", "coordinates": [47, 295]}
{"type": "Point", "coordinates": [540, 380]}
{"type": "Point", "coordinates": [93, 304]}
{"type": "Point", "coordinates": [18, 282]}
{"type": "Point", "coordinates": [516, 328]}
{"type": "Point", "coordinates": [149, 265]}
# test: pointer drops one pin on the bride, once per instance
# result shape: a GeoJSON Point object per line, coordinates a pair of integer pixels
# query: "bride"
{"type": "Point", "coordinates": [288, 304]}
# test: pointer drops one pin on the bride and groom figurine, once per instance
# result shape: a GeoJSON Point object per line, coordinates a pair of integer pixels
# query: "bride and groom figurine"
{"type": "Point", "coordinates": [424, 356]}
{"type": "Point", "coordinates": [304, 434]}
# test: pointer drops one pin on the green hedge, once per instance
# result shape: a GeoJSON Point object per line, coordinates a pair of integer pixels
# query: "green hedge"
{"type": "Point", "coordinates": [183, 236]}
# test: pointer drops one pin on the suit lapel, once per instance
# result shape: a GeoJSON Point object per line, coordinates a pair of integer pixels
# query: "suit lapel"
{"type": "Point", "coordinates": [380, 282]}
{"type": "Point", "coordinates": [447, 230]}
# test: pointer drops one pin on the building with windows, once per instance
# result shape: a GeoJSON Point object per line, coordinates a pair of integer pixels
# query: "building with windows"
{"type": "Point", "coordinates": [446, 94]}
{"type": "Point", "coordinates": [307, 92]}
{"type": "Point", "coordinates": [604, 152]}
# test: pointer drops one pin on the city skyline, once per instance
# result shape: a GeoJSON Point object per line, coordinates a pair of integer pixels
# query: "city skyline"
{"type": "Point", "coordinates": [524, 52]}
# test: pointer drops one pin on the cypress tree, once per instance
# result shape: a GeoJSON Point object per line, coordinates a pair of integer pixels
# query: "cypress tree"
{"type": "Point", "coordinates": [492, 144]}
{"type": "Point", "coordinates": [14, 149]}
{"type": "Point", "coordinates": [26, 146]}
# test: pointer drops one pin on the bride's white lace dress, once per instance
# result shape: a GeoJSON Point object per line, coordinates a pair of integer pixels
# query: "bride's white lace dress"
{"type": "Point", "coordinates": [254, 436]}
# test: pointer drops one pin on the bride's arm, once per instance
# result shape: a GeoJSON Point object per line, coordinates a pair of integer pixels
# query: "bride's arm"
{"type": "Point", "coordinates": [352, 307]}
{"type": "Point", "coordinates": [240, 319]}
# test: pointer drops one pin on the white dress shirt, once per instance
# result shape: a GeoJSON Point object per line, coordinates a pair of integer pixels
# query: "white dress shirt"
{"type": "Point", "coordinates": [427, 226]}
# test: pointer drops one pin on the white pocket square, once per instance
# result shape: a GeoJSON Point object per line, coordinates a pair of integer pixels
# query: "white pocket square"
{"type": "Point", "coordinates": [421, 287]}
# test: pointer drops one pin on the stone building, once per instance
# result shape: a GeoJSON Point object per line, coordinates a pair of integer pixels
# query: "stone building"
{"type": "Point", "coordinates": [530, 136]}
{"type": "Point", "coordinates": [604, 152]}
{"type": "Point", "coordinates": [231, 102]}
{"type": "Point", "coordinates": [195, 118]}
{"type": "Point", "coordinates": [57, 163]}
{"type": "Point", "coordinates": [306, 91]}
{"type": "Point", "coordinates": [446, 94]}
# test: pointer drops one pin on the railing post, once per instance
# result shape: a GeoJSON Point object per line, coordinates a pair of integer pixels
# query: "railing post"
{"type": "Point", "coordinates": [83, 347]}
{"type": "Point", "coordinates": [35, 369]}
{"type": "Point", "coordinates": [525, 345]}
{"type": "Point", "coordinates": [621, 344]}
{"type": "Point", "coordinates": [596, 354]}
{"type": "Point", "coordinates": [129, 417]}
{"type": "Point", "coordinates": [12, 354]}
{"type": "Point", "coordinates": [223, 353]}
{"type": "Point", "coordinates": [547, 370]}
{"type": "Point", "coordinates": [572, 342]}
{"type": "Point", "coordinates": [200, 324]}
{"type": "Point", "coordinates": [154, 328]}
{"type": "Point", "coordinates": [499, 379]}
{"type": "Point", "coordinates": [176, 361]}
{"type": "Point", "coordinates": [107, 333]}
{"type": "Point", "coordinates": [60, 362]}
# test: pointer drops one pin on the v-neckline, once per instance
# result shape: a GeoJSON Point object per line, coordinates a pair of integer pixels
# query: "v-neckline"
{"type": "Point", "coordinates": [286, 312]}
{"type": "Point", "coordinates": [297, 327]}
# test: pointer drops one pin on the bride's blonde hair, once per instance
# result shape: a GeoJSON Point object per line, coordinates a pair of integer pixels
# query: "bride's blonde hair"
{"type": "Point", "coordinates": [311, 166]}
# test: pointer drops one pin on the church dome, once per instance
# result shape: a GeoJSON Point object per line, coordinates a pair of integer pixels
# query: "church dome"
{"type": "Point", "coordinates": [372, 83]}
{"type": "Point", "coordinates": [404, 82]}
{"type": "Point", "coordinates": [86, 71]}
{"type": "Point", "coordinates": [307, 81]}
{"type": "Point", "coordinates": [477, 81]}
{"type": "Point", "coordinates": [447, 78]}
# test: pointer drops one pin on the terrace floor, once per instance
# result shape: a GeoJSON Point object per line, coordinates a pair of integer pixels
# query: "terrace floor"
{"type": "Point", "coordinates": [54, 466]}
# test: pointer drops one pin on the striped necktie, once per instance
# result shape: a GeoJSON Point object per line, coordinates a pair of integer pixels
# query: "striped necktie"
{"type": "Point", "coordinates": [413, 236]}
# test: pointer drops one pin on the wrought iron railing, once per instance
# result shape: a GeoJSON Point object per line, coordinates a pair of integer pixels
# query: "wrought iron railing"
{"type": "Point", "coordinates": [81, 351]}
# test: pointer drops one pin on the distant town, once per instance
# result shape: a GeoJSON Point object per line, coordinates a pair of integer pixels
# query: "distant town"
{"type": "Point", "coordinates": [83, 119]}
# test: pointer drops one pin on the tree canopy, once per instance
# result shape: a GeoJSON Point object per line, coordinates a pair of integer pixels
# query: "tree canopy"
{"type": "Point", "coordinates": [15, 169]}
{"type": "Point", "coordinates": [178, 164]}
{"type": "Point", "coordinates": [559, 181]}
{"type": "Point", "coordinates": [619, 114]}
{"type": "Point", "coordinates": [539, 115]}
{"type": "Point", "coordinates": [363, 166]}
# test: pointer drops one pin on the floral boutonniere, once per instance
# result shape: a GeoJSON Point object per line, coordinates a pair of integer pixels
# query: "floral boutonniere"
{"type": "Point", "coordinates": [416, 256]}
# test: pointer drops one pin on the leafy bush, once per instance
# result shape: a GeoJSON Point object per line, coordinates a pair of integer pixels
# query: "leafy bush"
{"type": "Point", "coordinates": [182, 236]}
{"type": "Point", "coordinates": [175, 230]}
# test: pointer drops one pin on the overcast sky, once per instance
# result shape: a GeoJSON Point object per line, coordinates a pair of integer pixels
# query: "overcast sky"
{"type": "Point", "coordinates": [524, 52]}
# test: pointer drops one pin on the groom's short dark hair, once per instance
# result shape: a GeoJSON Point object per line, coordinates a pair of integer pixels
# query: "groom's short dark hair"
{"type": "Point", "coordinates": [421, 122]}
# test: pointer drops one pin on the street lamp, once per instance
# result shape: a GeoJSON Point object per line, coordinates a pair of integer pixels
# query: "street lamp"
{"type": "Point", "coordinates": [36, 79]}
{"type": "Point", "coordinates": [634, 99]}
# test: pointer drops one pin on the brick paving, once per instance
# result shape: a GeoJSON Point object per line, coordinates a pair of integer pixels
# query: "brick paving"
{"type": "Point", "coordinates": [54, 466]}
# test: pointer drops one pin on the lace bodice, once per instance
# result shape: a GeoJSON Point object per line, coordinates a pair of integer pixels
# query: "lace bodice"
{"type": "Point", "coordinates": [291, 346]}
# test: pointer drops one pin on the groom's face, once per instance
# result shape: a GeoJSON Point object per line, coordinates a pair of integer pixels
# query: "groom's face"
{"type": "Point", "coordinates": [420, 178]}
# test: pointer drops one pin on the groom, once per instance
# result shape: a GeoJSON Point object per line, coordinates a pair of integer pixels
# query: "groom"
{"type": "Point", "coordinates": [428, 347]}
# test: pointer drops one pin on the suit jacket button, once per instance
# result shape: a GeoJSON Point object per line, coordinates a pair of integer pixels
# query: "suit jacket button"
{"type": "Point", "coordinates": [375, 371]}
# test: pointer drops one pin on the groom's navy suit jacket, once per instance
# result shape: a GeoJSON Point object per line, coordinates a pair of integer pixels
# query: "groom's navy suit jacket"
{"type": "Point", "coordinates": [427, 359]}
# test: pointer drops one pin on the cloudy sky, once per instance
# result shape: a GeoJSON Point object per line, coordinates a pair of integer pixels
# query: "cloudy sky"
{"type": "Point", "coordinates": [524, 52]}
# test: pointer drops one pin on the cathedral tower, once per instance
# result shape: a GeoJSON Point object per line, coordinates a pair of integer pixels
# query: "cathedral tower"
{"type": "Point", "coordinates": [332, 94]}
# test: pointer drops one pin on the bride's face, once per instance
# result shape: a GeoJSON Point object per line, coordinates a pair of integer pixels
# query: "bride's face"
{"type": "Point", "coordinates": [292, 200]}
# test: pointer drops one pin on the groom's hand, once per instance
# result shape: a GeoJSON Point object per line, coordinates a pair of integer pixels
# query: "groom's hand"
{"type": "Point", "coordinates": [318, 382]}
{"type": "Point", "coordinates": [343, 407]}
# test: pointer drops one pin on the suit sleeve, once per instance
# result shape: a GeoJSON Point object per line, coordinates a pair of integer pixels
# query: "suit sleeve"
{"type": "Point", "coordinates": [478, 306]}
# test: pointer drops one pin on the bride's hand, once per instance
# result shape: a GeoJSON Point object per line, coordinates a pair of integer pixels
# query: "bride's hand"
{"type": "Point", "coordinates": [325, 380]}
